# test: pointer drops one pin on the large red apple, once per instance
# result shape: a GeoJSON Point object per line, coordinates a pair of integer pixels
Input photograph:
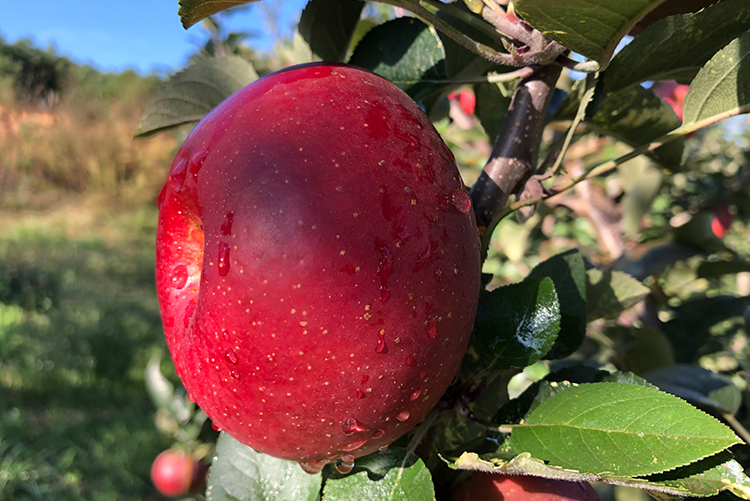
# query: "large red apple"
{"type": "Point", "coordinates": [491, 487]}
{"type": "Point", "coordinates": [317, 264]}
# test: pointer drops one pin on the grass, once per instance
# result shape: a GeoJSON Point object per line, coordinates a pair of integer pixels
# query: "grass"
{"type": "Point", "coordinates": [78, 321]}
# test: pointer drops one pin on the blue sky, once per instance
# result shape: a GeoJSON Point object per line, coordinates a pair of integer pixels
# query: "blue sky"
{"type": "Point", "coordinates": [144, 35]}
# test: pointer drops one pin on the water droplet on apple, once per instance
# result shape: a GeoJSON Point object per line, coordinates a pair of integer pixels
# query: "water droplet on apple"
{"type": "Point", "coordinates": [348, 269]}
{"type": "Point", "coordinates": [351, 425]}
{"type": "Point", "coordinates": [403, 415]}
{"type": "Point", "coordinates": [432, 329]}
{"type": "Point", "coordinates": [415, 395]}
{"type": "Point", "coordinates": [422, 374]}
{"type": "Point", "coordinates": [427, 255]}
{"type": "Point", "coordinates": [354, 445]}
{"type": "Point", "coordinates": [409, 360]}
{"type": "Point", "coordinates": [365, 378]}
{"type": "Point", "coordinates": [215, 426]}
{"type": "Point", "coordinates": [236, 375]}
{"type": "Point", "coordinates": [231, 357]}
{"type": "Point", "coordinates": [196, 163]}
{"type": "Point", "coordinates": [226, 226]}
{"type": "Point", "coordinates": [360, 394]}
{"type": "Point", "coordinates": [177, 176]}
{"type": "Point", "coordinates": [179, 276]}
{"type": "Point", "coordinates": [383, 448]}
{"type": "Point", "coordinates": [346, 465]}
{"type": "Point", "coordinates": [313, 467]}
{"type": "Point", "coordinates": [461, 201]}
{"type": "Point", "coordinates": [381, 347]}
{"type": "Point", "coordinates": [378, 433]}
{"type": "Point", "coordinates": [385, 268]}
{"type": "Point", "coordinates": [223, 259]}
{"type": "Point", "coordinates": [225, 335]}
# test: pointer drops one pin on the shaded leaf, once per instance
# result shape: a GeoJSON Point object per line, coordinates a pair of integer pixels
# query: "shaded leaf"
{"type": "Point", "coordinates": [569, 276]}
{"type": "Point", "coordinates": [491, 107]}
{"type": "Point", "coordinates": [623, 429]}
{"type": "Point", "coordinates": [592, 28]}
{"type": "Point", "coordinates": [676, 47]}
{"type": "Point", "coordinates": [699, 386]}
{"type": "Point", "coordinates": [194, 11]}
{"type": "Point", "coordinates": [190, 94]}
{"type": "Point", "coordinates": [241, 474]}
{"type": "Point", "coordinates": [722, 85]}
{"type": "Point", "coordinates": [711, 269]}
{"type": "Point", "coordinates": [384, 475]}
{"type": "Point", "coordinates": [328, 27]}
{"type": "Point", "coordinates": [609, 293]}
{"type": "Point", "coordinates": [517, 324]}
{"type": "Point", "coordinates": [405, 51]}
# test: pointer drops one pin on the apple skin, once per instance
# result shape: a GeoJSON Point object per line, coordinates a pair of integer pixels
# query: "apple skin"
{"type": "Point", "coordinates": [493, 487]}
{"type": "Point", "coordinates": [721, 220]}
{"type": "Point", "coordinates": [175, 473]}
{"type": "Point", "coordinates": [317, 264]}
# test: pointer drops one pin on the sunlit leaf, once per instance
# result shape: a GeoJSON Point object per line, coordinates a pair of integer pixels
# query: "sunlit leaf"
{"type": "Point", "coordinates": [194, 11]}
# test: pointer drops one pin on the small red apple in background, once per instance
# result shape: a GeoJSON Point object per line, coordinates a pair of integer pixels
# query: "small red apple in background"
{"type": "Point", "coordinates": [491, 487]}
{"type": "Point", "coordinates": [721, 220]}
{"type": "Point", "coordinates": [317, 264]}
{"type": "Point", "coordinates": [465, 99]}
{"type": "Point", "coordinates": [176, 473]}
{"type": "Point", "coordinates": [673, 93]}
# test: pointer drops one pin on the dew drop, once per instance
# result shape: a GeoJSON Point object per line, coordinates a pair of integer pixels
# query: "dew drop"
{"type": "Point", "coordinates": [383, 448]}
{"type": "Point", "coordinates": [461, 201]}
{"type": "Point", "coordinates": [432, 329]}
{"type": "Point", "coordinates": [378, 433]}
{"type": "Point", "coordinates": [415, 395]}
{"type": "Point", "coordinates": [231, 357]}
{"type": "Point", "coordinates": [409, 360]}
{"type": "Point", "coordinates": [225, 335]}
{"type": "Point", "coordinates": [385, 268]}
{"type": "Point", "coordinates": [348, 269]}
{"type": "Point", "coordinates": [427, 255]}
{"type": "Point", "coordinates": [422, 374]}
{"type": "Point", "coordinates": [196, 163]}
{"type": "Point", "coordinates": [177, 176]}
{"type": "Point", "coordinates": [223, 259]}
{"type": "Point", "coordinates": [403, 415]}
{"type": "Point", "coordinates": [360, 394]}
{"type": "Point", "coordinates": [354, 445]}
{"type": "Point", "coordinates": [381, 347]}
{"type": "Point", "coordinates": [179, 276]}
{"type": "Point", "coordinates": [351, 425]}
{"type": "Point", "coordinates": [346, 465]}
{"type": "Point", "coordinates": [236, 375]}
{"type": "Point", "coordinates": [365, 378]}
{"type": "Point", "coordinates": [226, 226]}
{"type": "Point", "coordinates": [313, 467]}
{"type": "Point", "coordinates": [215, 426]}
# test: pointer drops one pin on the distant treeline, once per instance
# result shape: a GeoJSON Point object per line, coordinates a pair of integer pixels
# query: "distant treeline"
{"type": "Point", "coordinates": [29, 75]}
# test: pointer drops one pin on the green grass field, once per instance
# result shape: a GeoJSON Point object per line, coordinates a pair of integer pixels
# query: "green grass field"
{"type": "Point", "coordinates": [78, 321]}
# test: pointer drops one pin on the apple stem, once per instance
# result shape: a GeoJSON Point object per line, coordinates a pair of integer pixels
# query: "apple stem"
{"type": "Point", "coordinates": [513, 158]}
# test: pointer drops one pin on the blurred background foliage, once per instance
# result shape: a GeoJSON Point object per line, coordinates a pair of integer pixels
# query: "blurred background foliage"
{"type": "Point", "coordinates": [79, 319]}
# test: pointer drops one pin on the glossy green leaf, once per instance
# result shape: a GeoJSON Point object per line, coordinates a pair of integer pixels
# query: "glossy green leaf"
{"type": "Point", "coordinates": [676, 47]}
{"type": "Point", "coordinates": [328, 27]}
{"type": "Point", "coordinates": [569, 276]}
{"type": "Point", "coordinates": [194, 11]}
{"type": "Point", "coordinates": [592, 28]}
{"type": "Point", "coordinates": [622, 429]}
{"type": "Point", "coordinates": [723, 85]}
{"type": "Point", "coordinates": [703, 478]}
{"type": "Point", "coordinates": [241, 474]}
{"type": "Point", "coordinates": [393, 475]}
{"type": "Point", "coordinates": [517, 324]}
{"type": "Point", "coordinates": [698, 386]}
{"type": "Point", "coordinates": [609, 293]}
{"type": "Point", "coordinates": [190, 94]}
{"type": "Point", "coordinates": [405, 51]}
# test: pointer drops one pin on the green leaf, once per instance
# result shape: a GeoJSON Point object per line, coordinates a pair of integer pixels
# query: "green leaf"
{"type": "Point", "coordinates": [328, 27]}
{"type": "Point", "coordinates": [609, 293]}
{"type": "Point", "coordinates": [706, 477]}
{"type": "Point", "coordinates": [491, 108]}
{"type": "Point", "coordinates": [623, 429]}
{"type": "Point", "coordinates": [698, 386]}
{"type": "Point", "coordinates": [676, 47]}
{"type": "Point", "coordinates": [517, 324]}
{"type": "Point", "coordinates": [241, 474]}
{"type": "Point", "coordinates": [592, 28]}
{"type": "Point", "coordinates": [722, 85]}
{"type": "Point", "coordinates": [711, 269]}
{"type": "Point", "coordinates": [190, 94]}
{"type": "Point", "coordinates": [569, 276]}
{"type": "Point", "coordinates": [405, 51]}
{"type": "Point", "coordinates": [194, 11]}
{"type": "Point", "coordinates": [394, 475]}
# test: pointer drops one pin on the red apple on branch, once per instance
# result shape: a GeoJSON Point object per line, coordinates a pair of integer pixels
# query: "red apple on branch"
{"type": "Point", "coordinates": [317, 264]}
{"type": "Point", "coordinates": [175, 473]}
